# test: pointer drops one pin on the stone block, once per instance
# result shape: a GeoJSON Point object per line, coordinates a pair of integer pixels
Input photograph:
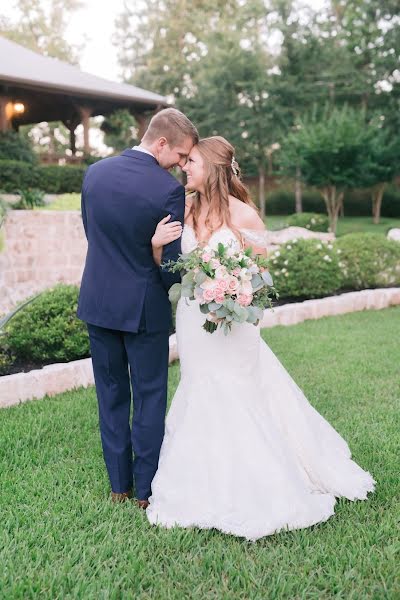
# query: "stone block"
{"type": "Point", "coordinates": [394, 234]}
{"type": "Point", "coordinates": [270, 318]}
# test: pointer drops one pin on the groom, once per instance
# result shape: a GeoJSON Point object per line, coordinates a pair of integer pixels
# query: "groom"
{"type": "Point", "coordinates": [123, 297]}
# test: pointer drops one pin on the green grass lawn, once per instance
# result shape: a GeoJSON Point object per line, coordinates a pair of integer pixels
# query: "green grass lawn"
{"type": "Point", "coordinates": [345, 224]}
{"type": "Point", "coordinates": [64, 202]}
{"type": "Point", "coordinates": [62, 538]}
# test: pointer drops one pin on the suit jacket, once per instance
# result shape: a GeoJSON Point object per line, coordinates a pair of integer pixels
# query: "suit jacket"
{"type": "Point", "coordinates": [123, 199]}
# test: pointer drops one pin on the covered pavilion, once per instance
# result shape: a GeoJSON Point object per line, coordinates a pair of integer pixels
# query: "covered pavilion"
{"type": "Point", "coordinates": [36, 88]}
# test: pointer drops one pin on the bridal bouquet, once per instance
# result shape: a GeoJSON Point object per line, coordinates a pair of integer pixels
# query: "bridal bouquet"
{"type": "Point", "coordinates": [230, 286]}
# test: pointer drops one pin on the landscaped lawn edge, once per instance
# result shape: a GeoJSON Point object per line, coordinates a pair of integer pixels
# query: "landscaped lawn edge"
{"type": "Point", "coordinates": [61, 377]}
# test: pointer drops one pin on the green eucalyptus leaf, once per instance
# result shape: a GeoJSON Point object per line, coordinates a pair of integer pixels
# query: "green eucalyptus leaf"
{"type": "Point", "coordinates": [200, 277]}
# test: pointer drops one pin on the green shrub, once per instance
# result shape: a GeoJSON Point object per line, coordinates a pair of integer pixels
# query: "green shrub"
{"type": "Point", "coordinates": [47, 330]}
{"type": "Point", "coordinates": [30, 198]}
{"type": "Point", "coordinates": [306, 268]}
{"type": "Point", "coordinates": [53, 179]}
{"type": "Point", "coordinates": [311, 221]}
{"type": "Point", "coordinates": [14, 146]}
{"type": "Point", "coordinates": [368, 260]}
{"type": "Point", "coordinates": [16, 175]}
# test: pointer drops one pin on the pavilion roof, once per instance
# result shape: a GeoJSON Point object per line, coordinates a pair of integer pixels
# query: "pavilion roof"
{"type": "Point", "coordinates": [20, 67]}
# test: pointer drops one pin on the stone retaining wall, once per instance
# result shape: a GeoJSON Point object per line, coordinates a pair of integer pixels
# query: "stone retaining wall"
{"type": "Point", "coordinates": [54, 379]}
{"type": "Point", "coordinates": [42, 248]}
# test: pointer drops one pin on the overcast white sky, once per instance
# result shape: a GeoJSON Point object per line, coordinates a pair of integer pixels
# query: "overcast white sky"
{"type": "Point", "coordinates": [93, 24]}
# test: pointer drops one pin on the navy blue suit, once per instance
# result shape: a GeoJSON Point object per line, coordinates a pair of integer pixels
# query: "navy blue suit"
{"type": "Point", "coordinates": [124, 301]}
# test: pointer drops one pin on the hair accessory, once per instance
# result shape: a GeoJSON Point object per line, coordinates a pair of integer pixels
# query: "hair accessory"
{"type": "Point", "coordinates": [233, 167]}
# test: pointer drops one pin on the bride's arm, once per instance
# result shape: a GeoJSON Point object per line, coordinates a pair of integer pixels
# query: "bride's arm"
{"type": "Point", "coordinates": [253, 231]}
{"type": "Point", "coordinates": [164, 234]}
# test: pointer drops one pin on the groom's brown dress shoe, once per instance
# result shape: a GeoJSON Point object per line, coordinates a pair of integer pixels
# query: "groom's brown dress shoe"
{"type": "Point", "coordinates": [121, 496]}
{"type": "Point", "coordinates": [142, 504]}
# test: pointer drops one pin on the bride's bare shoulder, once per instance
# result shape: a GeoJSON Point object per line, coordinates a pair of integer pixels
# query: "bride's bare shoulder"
{"type": "Point", "coordinates": [244, 216]}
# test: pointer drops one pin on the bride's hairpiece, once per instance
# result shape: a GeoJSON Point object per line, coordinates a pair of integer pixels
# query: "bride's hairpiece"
{"type": "Point", "coordinates": [233, 166]}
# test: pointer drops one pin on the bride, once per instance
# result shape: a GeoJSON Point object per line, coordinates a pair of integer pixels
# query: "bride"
{"type": "Point", "coordinates": [244, 451]}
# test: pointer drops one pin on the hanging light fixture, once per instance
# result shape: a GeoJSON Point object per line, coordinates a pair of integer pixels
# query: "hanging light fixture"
{"type": "Point", "coordinates": [18, 108]}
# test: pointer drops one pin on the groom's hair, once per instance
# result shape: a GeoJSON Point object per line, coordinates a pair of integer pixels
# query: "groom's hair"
{"type": "Point", "coordinates": [171, 124]}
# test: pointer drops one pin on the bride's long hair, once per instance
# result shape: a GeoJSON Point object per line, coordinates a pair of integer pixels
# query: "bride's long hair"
{"type": "Point", "coordinates": [222, 178]}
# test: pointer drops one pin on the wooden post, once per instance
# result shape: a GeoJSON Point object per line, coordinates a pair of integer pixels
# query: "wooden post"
{"type": "Point", "coordinates": [5, 117]}
{"type": "Point", "coordinates": [71, 125]}
{"type": "Point", "coordinates": [85, 113]}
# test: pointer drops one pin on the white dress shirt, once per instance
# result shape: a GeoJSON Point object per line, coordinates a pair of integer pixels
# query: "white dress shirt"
{"type": "Point", "coordinates": [141, 149]}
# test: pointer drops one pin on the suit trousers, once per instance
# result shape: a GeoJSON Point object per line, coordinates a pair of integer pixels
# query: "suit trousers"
{"type": "Point", "coordinates": [127, 364]}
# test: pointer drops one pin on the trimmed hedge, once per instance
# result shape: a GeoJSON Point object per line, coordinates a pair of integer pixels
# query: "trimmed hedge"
{"type": "Point", "coordinates": [53, 179]}
{"type": "Point", "coordinates": [312, 268]}
{"type": "Point", "coordinates": [47, 330]}
{"type": "Point", "coordinates": [368, 260]}
{"type": "Point", "coordinates": [306, 269]}
{"type": "Point", "coordinates": [16, 175]}
{"type": "Point", "coordinates": [357, 203]}
{"type": "Point", "coordinates": [311, 221]}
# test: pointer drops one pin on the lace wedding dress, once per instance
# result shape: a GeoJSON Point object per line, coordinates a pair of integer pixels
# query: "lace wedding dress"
{"type": "Point", "coordinates": [244, 451]}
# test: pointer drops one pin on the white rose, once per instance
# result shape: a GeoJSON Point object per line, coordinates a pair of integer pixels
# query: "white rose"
{"type": "Point", "coordinates": [246, 287]}
{"type": "Point", "coordinates": [221, 272]}
{"type": "Point", "coordinates": [245, 275]}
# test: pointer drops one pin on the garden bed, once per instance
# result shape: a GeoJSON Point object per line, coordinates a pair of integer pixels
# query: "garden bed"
{"type": "Point", "coordinates": [60, 377]}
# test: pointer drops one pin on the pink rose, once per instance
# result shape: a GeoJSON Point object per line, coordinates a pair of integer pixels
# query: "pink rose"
{"type": "Point", "coordinates": [220, 297]}
{"type": "Point", "coordinates": [206, 257]}
{"type": "Point", "coordinates": [208, 295]}
{"type": "Point", "coordinates": [215, 263]}
{"type": "Point", "coordinates": [222, 285]}
{"type": "Point", "coordinates": [245, 299]}
{"type": "Point", "coordinates": [236, 271]}
{"type": "Point", "coordinates": [233, 284]}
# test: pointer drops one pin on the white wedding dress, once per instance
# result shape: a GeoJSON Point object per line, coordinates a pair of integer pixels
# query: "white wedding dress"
{"type": "Point", "coordinates": [244, 451]}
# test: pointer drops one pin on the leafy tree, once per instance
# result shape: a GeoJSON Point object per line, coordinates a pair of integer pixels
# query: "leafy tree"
{"type": "Point", "coordinates": [334, 152]}
{"type": "Point", "coordinates": [385, 165]}
{"type": "Point", "coordinates": [216, 70]}
{"type": "Point", "coordinates": [41, 27]}
{"type": "Point", "coordinates": [120, 130]}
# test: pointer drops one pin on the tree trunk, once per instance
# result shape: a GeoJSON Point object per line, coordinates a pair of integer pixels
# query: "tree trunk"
{"type": "Point", "coordinates": [333, 201]}
{"type": "Point", "coordinates": [341, 207]}
{"type": "Point", "coordinates": [377, 197]}
{"type": "Point", "coordinates": [261, 191]}
{"type": "Point", "coordinates": [298, 191]}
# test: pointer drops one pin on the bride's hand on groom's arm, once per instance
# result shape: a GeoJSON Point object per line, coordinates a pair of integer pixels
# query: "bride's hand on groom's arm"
{"type": "Point", "coordinates": [164, 234]}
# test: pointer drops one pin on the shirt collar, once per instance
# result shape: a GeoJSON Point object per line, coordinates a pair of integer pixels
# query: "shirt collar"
{"type": "Point", "coordinates": [141, 149]}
